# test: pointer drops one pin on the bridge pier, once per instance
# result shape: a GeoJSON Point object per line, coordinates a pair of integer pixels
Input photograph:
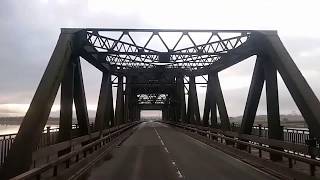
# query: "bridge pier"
{"type": "Point", "coordinates": [80, 100]}
{"type": "Point", "coordinates": [120, 102]}
{"type": "Point", "coordinates": [127, 95]}
{"type": "Point", "coordinates": [264, 71]}
{"type": "Point", "coordinates": [206, 111]}
{"type": "Point", "coordinates": [253, 97]}
{"type": "Point", "coordinates": [181, 105]}
{"type": "Point", "coordinates": [193, 105]}
{"type": "Point", "coordinates": [155, 80]}
{"type": "Point", "coordinates": [212, 102]}
{"type": "Point", "coordinates": [275, 131]}
{"type": "Point", "coordinates": [105, 106]}
{"type": "Point", "coordinates": [110, 109]}
{"type": "Point", "coordinates": [218, 97]}
{"type": "Point", "coordinates": [19, 157]}
{"type": "Point", "coordinates": [66, 103]}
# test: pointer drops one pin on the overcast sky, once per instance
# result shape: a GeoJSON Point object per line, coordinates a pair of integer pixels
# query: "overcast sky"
{"type": "Point", "coordinates": [29, 31]}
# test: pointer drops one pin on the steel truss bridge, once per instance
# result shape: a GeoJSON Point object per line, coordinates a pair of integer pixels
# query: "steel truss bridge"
{"type": "Point", "coordinates": [154, 69]}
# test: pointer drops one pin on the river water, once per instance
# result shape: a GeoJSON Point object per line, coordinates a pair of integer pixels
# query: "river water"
{"type": "Point", "coordinates": [12, 129]}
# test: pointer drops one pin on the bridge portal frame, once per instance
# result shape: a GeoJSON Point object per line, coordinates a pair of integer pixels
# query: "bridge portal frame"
{"type": "Point", "coordinates": [197, 60]}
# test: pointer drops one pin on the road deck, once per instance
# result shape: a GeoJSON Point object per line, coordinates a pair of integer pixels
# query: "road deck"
{"type": "Point", "coordinates": [156, 151]}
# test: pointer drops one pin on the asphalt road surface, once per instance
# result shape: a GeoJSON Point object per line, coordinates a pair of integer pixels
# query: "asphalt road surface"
{"type": "Point", "coordinates": [156, 151]}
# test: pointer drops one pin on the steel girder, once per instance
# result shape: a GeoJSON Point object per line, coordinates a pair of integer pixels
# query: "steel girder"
{"type": "Point", "coordinates": [19, 157]}
{"type": "Point", "coordinates": [186, 49]}
{"type": "Point", "coordinates": [103, 119]}
{"type": "Point", "coordinates": [154, 80]}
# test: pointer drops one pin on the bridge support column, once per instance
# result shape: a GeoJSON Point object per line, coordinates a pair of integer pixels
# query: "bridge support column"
{"type": "Point", "coordinates": [134, 105]}
{"type": "Point", "coordinates": [253, 99]}
{"type": "Point", "coordinates": [138, 114]}
{"type": "Point", "coordinates": [193, 105]}
{"type": "Point", "coordinates": [128, 99]}
{"type": "Point", "coordinates": [120, 102]}
{"type": "Point", "coordinates": [206, 111]}
{"type": "Point", "coordinates": [189, 109]}
{"type": "Point", "coordinates": [303, 96]}
{"type": "Point", "coordinates": [19, 157]}
{"type": "Point", "coordinates": [275, 131]}
{"type": "Point", "coordinates": [110, 109]}
{"type": "Point", "coordinates": [216, 89]}
{"type": "Point", "coordinates": [66, 103]}
{"type": "Point", "coordinates": [264, 71]}
{"type": "Point", "coordinates": [80, 100]}
{"type": "Point", "coordinates": [181, 105]}
{"type": "Point", "coordinates": [212, 102]}
{"type": "Point", "coordinates": [165, 114]}
{"type": "Point", "coordinates": [173, 114]}
{"type": "Point", "coordinates": [103, 109]}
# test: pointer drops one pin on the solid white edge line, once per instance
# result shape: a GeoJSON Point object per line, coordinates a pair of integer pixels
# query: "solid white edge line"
{"type": "Point", "coordinates": [166, 149]}
{"type": "Point", "coordinates": [209, 147]}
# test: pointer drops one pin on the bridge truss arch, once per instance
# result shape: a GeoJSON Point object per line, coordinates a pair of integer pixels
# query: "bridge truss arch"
{"type": "Point", "coordinates": [155, 69]}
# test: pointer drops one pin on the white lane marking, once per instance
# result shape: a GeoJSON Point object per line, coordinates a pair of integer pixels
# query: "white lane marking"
{"type": "Point", "coordinates": [204, 145]}
{"type": "Point", "coordinates": [161, 124]}
{"type": "Point", "coordinates": [162, 143]}
{"type": "Point", "coordinates": [179, 174]}
{"type": "Point", "coordinates": [166, 149]}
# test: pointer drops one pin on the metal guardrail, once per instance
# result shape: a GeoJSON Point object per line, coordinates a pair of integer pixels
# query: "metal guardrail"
{"type": "Point", "coordinates": [48, 137]}
{"type": "Point", "coordinates": [77, 155]}
{"type": "Point", "coordinates": [294, 135]}
{"type": "Point", "coordinates": [253, 143]}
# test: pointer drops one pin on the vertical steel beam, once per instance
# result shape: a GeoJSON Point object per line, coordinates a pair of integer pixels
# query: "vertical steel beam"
{"type": "Point", "coordinates": [132, 103]}
{"type": "Point", "coordinates": [110, 109]}
{"type": "Point", "coordinates": [225, 123]}
{"type": "Point", "coordinates": [100, 120]}
{"type": "Point", "coordinates": [127, 98]}
{"type": "Point", "coordinates": [120, 102]}
{"type": "Point", "coordinates": [307, 102]}
{"type": "Point", "coordinates": [165, 113]}
{"type": "Point", "coordinates": [275, 131]}
{"type": "Point", "coordinates": [206, 111]}
{"type": "Point", "coordinates": [20, 155]}
{"type": "Point", "coordinates": [66, 103]}
{"type": "Point", "coordinates": [253, 98]}
{"type": "Point", "coordinates": [139, 114]}
{"type": "Point", "coordinates": [195, 112]}
{"type": "Point", "coordinates": [182, 99]}
{"type": "Point", "coordinates": [212, 101]}
{"type": "Point", "coordinates": [189, 108]}
{"type": "Point", "coordinates": [80, 100]}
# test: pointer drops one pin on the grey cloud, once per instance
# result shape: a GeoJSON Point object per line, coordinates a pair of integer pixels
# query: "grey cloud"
{"type": "Point", "coordinates": [29, 31]}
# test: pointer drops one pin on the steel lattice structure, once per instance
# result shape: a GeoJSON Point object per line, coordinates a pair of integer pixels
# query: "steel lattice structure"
{"type": "Point", "coordinates": [154, 67]}
{"type": "Point", "coordinates": [127, 52]}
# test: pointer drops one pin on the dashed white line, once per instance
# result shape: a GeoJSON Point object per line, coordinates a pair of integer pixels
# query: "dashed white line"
{"type": "Point", "coordinates": [204, 145]}
{"type": "Point", "coordinates": [162, 143]}
{"type": "Point", "coordinates": [179, 174]}
{"type": "Point", "coordinates": [166, 149]}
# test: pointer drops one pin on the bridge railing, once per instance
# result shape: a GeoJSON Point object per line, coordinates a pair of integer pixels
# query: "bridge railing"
{"type": "Point", "coordinates": [48, 137]}
{"type": "Point", "coordinates": [80, 148]}
{"type": "Point", "coordinates": [292, 151]}
{"type": "Point", "coordinates": [294, 135]}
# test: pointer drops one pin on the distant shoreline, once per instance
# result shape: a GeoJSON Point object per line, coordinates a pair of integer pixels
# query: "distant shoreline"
{"type": "Point", "coordinates": [285, 120]}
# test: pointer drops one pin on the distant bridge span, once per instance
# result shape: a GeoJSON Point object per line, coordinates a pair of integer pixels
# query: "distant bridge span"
{"type": "Point", "coordinates": [154, 68]}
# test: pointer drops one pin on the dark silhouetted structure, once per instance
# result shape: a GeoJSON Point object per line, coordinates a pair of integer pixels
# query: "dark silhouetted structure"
{"type": "Point", "coordinates": [153, 69]}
